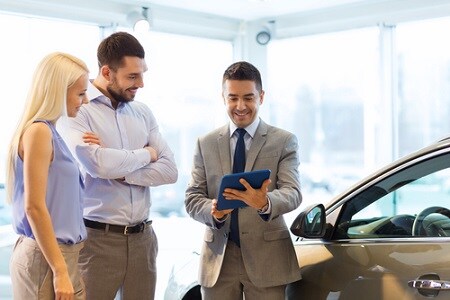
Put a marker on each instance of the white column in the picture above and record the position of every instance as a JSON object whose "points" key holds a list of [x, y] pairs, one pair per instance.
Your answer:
{"points": [[386, 137]]}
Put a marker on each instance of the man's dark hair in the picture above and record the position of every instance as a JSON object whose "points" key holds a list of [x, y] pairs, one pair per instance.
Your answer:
{"points": [[115, 47], [243, 70]]}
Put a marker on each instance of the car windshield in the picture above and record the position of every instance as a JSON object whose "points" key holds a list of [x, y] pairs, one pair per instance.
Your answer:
{"points": [[393, 206]]}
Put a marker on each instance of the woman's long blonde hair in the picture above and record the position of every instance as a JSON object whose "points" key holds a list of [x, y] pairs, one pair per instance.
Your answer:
{"points": [[46, 100]]}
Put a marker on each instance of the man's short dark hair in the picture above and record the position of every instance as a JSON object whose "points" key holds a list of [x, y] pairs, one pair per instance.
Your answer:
{"points": [[243, 70], [115, 47]]}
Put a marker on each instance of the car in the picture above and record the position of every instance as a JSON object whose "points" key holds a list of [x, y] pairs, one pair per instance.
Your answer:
{"points": [[385, 237], [183, 282]]}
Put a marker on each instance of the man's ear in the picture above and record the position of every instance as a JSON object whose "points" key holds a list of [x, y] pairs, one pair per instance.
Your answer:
{"points": [[106, 72], [261, 97]]}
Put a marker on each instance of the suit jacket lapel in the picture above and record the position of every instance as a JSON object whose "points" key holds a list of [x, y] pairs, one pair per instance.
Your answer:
{"points": [[258, 142], [224, 149]]}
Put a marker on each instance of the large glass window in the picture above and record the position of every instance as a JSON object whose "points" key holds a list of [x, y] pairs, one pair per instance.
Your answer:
{"points": [[322, 88], [424, 83], [25, 41]]}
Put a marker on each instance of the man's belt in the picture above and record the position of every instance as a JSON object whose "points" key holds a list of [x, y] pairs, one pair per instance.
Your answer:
{"points": [[128, 229]]}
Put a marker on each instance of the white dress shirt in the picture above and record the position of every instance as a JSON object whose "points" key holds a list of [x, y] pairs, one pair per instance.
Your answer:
{"points": [[124, 132]]}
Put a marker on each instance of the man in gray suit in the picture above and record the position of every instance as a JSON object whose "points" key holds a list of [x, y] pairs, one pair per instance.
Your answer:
{"points": [[260, 259]]}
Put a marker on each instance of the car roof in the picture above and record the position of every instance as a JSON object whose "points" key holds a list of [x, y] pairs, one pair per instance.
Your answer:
{"points": [[423, 152]]}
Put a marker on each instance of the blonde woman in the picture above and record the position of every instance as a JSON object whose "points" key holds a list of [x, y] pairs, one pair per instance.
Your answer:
{"points": [[44, 185]]}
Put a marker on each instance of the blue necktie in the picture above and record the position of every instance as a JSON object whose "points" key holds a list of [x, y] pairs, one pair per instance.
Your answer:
{"points": [[238, 167]]}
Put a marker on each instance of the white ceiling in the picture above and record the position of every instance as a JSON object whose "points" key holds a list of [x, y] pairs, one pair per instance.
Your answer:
{"points": [[246, 9], [231, 19]]}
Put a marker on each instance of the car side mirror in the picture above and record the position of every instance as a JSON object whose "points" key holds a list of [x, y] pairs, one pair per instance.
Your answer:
{"points": [[310, 223]]}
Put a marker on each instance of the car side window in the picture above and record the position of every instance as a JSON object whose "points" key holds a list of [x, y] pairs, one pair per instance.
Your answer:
{"points": [[412, 202]]}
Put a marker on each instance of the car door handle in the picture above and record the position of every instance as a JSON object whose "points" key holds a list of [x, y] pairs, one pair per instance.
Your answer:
{"points": [[430, 284]]}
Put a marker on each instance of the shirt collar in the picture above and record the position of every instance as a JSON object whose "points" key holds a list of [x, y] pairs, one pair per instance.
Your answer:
{"points": [[95, 94], [251, 129]]}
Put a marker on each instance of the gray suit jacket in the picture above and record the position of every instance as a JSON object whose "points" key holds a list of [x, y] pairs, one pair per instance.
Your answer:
{"points": [[266, 245]]}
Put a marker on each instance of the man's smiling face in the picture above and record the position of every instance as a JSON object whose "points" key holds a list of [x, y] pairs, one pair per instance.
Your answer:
{"points": [[242, 100]]}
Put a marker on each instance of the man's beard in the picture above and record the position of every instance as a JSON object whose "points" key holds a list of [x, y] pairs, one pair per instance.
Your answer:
{"points": [[119, 97]]}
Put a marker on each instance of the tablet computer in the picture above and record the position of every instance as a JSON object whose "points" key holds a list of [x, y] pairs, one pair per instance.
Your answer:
{"points": [[254, 178]]}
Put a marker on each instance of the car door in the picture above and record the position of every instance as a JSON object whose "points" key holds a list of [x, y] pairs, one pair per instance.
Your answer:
{"points": [[386, 239]]}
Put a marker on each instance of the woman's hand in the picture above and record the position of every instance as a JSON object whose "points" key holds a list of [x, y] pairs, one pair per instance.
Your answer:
{"points": [[63, 286]]}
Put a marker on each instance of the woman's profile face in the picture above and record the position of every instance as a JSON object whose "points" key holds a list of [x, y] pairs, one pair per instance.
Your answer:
{"points": [[76, 96]]}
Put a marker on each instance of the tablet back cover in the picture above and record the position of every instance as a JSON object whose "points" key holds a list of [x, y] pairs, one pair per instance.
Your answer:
{"points": [[254, 178]]}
